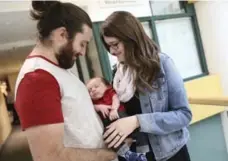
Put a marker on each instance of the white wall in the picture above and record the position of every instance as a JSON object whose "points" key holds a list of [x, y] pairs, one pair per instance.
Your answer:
{"points": [[213, 23], [99, 11], [9, 6]]}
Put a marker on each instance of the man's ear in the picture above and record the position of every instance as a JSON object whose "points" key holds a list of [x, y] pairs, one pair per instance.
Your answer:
{"points": [[60, 34], [64, 33]]}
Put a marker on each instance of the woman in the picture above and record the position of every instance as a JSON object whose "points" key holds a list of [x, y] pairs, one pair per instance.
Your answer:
{"points": [[152, 90]]}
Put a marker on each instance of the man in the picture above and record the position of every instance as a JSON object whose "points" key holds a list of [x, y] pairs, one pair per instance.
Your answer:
{"points": [[47, 93]]}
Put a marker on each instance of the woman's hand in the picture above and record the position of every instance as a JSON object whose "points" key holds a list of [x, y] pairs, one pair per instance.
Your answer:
{"points": [[119, 130]]}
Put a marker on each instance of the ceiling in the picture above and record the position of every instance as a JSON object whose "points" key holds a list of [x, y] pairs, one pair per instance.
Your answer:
{"points": [[16, 26], [17, 34], [17, 37]]}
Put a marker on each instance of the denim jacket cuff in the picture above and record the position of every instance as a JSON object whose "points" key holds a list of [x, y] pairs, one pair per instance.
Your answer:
{"points": [[144, 125]]}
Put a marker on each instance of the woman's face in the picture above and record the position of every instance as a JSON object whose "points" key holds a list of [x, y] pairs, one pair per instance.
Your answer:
{"points": [[116, 47]]}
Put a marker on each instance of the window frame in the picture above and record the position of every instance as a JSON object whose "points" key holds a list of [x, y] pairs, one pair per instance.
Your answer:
{"points": [[189, 12]]}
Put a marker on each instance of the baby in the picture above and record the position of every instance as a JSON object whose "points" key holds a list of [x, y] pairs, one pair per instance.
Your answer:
{"points": [[109, 108]]}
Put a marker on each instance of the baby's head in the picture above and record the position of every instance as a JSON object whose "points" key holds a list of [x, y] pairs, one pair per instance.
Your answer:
{"points": [[97, 87]]}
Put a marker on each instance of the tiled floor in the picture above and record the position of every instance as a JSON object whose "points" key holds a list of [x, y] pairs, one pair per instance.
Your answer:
{"points": [[16, 147]]}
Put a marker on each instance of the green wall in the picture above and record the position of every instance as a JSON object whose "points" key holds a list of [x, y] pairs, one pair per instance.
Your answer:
{"points": [[207, 141]]}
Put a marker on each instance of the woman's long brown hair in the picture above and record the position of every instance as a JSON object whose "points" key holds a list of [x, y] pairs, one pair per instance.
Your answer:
{"points": [[141, 53]]}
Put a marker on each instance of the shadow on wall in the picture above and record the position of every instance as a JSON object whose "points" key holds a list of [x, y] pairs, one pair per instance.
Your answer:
{"points": [[12, 60], [13, 143], [16, 147]]}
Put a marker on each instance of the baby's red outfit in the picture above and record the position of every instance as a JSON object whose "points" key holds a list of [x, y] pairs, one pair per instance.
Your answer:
{"points": [[107, 99]]}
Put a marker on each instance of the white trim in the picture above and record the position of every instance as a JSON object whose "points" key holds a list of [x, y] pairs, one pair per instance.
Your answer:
{"points": [[224, 120]]}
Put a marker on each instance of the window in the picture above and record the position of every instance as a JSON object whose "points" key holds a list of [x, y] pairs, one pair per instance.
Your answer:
{"points": [[89, 65], [166, 7], [83, 73], [183, 48], [113, 60], [147, 28], [173, 26]]}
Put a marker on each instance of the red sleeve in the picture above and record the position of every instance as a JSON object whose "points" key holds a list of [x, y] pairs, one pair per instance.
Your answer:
{"points": [[107, 97], [38, 100], [111, 92]]}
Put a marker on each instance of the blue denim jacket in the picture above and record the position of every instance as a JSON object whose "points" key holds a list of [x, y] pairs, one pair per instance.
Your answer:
{"points": [[165, 112]]}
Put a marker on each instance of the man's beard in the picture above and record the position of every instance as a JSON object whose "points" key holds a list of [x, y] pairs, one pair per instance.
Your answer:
{"points": [[65, 56]]}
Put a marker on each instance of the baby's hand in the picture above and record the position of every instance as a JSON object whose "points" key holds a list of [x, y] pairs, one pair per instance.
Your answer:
{"points": [[113, 115], [129, 141], [104, 109]]}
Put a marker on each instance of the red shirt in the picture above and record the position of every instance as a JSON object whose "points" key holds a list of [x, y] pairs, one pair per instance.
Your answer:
{"points": [[38, 99], [107, 99]]}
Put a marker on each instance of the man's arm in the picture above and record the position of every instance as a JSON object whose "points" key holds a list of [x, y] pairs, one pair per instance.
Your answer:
{"points": [[46, 144]]}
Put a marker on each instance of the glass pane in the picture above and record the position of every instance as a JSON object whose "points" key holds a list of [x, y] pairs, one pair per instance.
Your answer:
{"points": [[113, 60], [176, 38], [94, 58], [84, 68], [74, 69], [166, 7], [146, 26]]}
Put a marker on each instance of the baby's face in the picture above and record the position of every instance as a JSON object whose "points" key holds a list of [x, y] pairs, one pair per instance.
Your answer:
{"points": [[96, 88]]}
